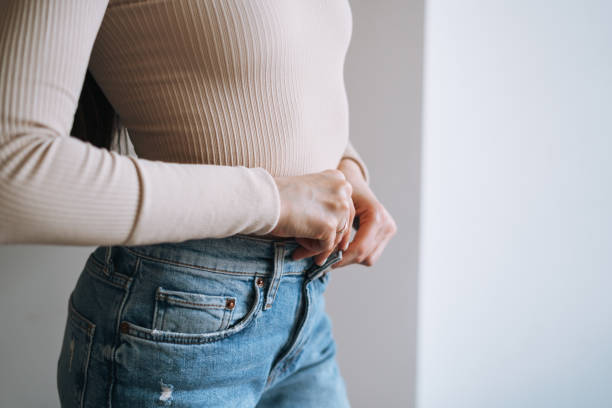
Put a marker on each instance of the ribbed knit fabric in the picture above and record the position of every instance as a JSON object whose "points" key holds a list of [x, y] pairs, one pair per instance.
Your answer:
{"points": [[218, 96]]}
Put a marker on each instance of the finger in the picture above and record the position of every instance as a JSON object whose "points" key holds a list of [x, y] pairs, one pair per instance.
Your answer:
{"points": [[346, 238], [320, 259], [308, 248], [301, 253], [373, 257], [364, 242]]}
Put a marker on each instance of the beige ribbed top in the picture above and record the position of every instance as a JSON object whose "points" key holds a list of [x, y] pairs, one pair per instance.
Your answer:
{"points": [[218, 96]]}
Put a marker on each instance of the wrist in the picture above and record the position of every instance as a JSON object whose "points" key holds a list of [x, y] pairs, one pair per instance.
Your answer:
{"points": [[352, 171]]}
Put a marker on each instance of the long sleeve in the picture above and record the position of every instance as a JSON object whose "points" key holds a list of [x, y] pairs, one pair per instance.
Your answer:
{"points": [[57, 189], [351, 153]]}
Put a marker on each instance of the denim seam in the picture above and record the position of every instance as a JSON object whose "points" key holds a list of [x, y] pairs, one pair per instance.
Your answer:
{"points": [[74, 314], [279, 258], [184, 302], [117, 340], [225, 319], [115, 279], [76, 319], [96, 259], [207, 269], [266, 240], [280, 365], [300, 339], [155, 309], [104, 279]]}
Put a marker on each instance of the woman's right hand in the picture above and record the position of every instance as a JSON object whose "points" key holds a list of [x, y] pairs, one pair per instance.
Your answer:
{"points": [[313, 208]]}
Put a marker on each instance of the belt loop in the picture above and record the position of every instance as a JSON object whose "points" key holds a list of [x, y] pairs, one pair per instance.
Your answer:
{"points": [[279, 258], [107, 260]]}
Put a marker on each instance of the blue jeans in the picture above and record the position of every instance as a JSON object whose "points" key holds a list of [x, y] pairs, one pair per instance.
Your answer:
{"points": [[231, 322]]}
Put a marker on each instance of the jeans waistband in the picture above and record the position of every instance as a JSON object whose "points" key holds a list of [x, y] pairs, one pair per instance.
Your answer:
{"points": [[236, 254]]}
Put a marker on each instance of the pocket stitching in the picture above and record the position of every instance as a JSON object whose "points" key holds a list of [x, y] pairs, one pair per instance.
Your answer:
{"points": [[170, 297], [172, 301], [159, 336]]}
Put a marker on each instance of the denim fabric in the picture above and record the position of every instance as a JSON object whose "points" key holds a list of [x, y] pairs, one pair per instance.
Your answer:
{"points": [[231, 322]]}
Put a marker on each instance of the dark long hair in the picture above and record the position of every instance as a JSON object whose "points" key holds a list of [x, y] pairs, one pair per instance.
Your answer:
{"points": [[94, 117]]}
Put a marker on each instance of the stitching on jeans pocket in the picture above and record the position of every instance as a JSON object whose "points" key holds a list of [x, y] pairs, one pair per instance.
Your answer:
{"points": [[132, 330], [189, 312]]}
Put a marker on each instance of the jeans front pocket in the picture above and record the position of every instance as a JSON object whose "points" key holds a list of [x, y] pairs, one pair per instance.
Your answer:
{"points": [[189, 312], [74, 358], [172, 303]]}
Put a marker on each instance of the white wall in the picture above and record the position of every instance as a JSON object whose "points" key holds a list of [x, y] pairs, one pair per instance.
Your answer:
{"points": [[516, 263]]}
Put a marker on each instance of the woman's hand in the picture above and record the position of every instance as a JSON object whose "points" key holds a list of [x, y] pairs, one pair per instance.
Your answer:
{"points": [[376, 226], [314, 209]]}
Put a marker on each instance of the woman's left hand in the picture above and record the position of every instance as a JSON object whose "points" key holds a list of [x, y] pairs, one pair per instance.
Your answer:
{"points": [[376, 226]]}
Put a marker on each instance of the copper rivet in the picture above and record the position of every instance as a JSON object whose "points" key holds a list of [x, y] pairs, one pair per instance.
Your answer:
{"points": [[230, 303], [124, 327], [260, 282]]}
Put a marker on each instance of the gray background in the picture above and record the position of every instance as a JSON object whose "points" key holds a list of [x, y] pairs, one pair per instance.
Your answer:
{"points": [[373, 309]]}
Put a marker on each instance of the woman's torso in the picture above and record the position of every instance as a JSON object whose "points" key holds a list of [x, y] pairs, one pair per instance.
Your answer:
{"points": [[241, 82]]}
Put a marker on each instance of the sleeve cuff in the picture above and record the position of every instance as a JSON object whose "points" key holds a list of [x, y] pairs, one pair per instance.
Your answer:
{"points": [[351, 153], [191, 201]]}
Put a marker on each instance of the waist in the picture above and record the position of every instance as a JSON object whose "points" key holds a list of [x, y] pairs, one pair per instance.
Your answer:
{"points": [[235, 255]]}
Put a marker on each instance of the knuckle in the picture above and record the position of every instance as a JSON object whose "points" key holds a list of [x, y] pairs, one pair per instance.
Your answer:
{"points": [[323, 234], [360, 254], [338, 205], [344, 205], [328, 232], [325, 238], [337, 174], [339, 188], [347, 189]]}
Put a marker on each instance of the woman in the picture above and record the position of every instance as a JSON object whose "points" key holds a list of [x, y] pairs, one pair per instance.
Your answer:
{"points": [[213, 245]]}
